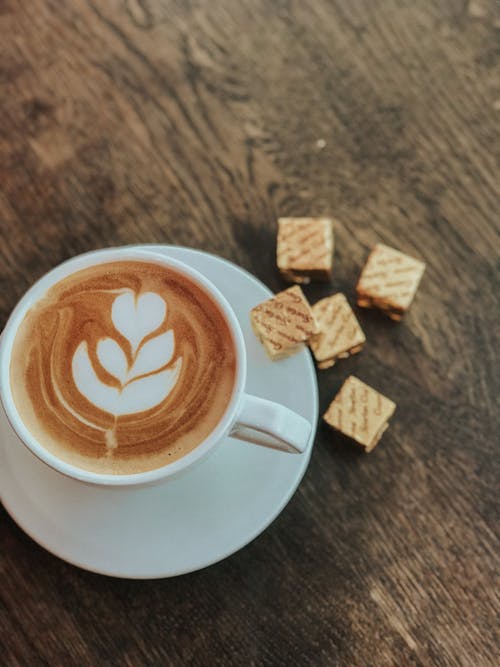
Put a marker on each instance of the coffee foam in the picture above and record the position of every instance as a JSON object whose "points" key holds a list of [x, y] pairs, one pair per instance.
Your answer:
{"points": [[123, 367]]}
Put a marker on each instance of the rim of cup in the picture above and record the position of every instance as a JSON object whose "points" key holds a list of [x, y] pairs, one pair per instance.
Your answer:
{"points": [[67, 268]]}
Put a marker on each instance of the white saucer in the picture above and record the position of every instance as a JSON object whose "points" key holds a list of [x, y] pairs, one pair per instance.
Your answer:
{"points": [[183, 524]]}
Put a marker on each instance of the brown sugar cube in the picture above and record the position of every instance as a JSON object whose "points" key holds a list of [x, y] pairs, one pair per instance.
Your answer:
{"points": [[360, 413], [339, 332], [305, 249], [389, 281], [284, 322]]}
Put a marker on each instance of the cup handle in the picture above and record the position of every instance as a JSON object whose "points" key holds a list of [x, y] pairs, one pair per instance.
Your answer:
{"points": [[270, 424]]}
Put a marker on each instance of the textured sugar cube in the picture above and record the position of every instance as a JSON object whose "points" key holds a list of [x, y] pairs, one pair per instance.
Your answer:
{"points": [[305, 248], [389, 281], [284, 322], [339, 333], [360, 413]]}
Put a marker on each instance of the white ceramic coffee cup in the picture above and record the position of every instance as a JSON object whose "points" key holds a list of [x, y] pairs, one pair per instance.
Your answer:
{"points": [[246, 417]]}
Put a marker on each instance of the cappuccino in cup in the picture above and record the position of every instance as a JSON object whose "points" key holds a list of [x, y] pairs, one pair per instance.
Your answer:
{"points": [[123, 367]]}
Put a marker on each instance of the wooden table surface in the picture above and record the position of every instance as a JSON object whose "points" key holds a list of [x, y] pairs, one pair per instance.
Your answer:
{"points": [[199, 123]]}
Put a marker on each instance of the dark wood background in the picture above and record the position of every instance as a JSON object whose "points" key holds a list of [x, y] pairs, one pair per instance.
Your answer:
{"points": [[198, 123]]}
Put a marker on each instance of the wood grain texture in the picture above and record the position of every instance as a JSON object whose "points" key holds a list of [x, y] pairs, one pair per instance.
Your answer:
{"points": [[199, 123]]}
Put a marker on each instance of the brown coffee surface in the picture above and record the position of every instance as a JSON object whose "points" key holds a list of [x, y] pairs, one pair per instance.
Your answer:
{"points": [[77, 320]]}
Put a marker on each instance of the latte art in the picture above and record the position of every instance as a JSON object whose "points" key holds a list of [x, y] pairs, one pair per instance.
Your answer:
{"points": [[123, 367], [147, 381]]}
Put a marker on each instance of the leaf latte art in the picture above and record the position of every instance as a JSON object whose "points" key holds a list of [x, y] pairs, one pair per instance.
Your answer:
{"points": [[144, 383], [123, 367]]}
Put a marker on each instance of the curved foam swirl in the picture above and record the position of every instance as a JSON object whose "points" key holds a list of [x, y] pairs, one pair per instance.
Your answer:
{"points": [[123, 367]]}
